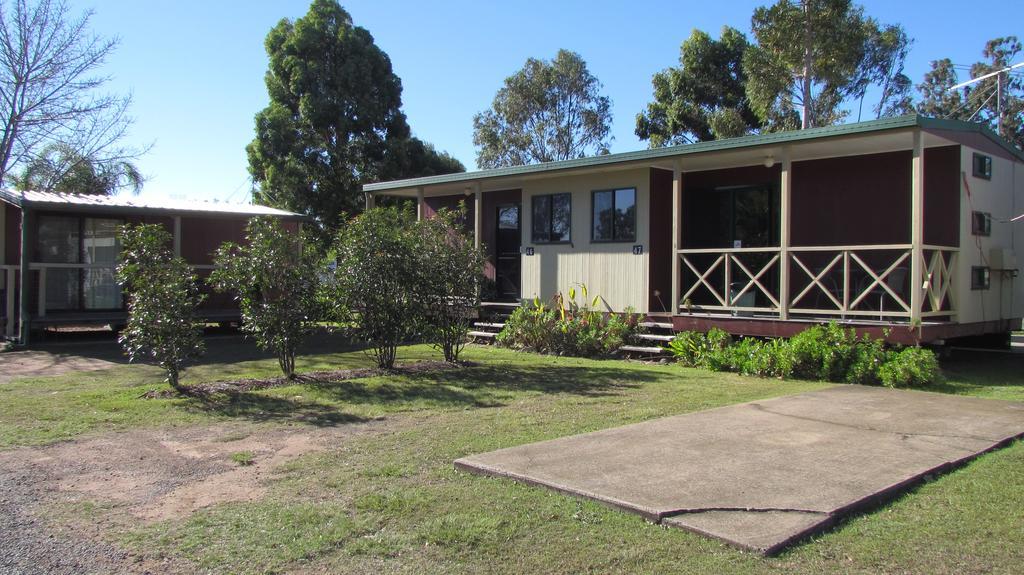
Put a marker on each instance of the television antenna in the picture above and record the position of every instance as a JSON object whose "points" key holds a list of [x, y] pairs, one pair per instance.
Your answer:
{"points": [[999, 91]]}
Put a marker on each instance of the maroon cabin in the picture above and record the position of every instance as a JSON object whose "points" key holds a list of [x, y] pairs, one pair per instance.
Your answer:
{"points": [[72, 251]]}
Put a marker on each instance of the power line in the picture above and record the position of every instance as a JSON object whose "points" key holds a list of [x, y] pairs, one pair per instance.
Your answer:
{"points": [[965, 103]]}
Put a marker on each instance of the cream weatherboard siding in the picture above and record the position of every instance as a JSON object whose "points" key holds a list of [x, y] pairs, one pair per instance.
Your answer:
{"points": [[609, 270], [1000, 196]]}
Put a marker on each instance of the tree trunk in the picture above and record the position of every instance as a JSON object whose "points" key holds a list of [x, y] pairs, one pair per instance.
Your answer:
{"points": [[172, 378], [805, 89]]}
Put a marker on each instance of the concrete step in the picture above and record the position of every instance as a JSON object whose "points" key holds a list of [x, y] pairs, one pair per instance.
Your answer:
{"points": [[489, 324], [500, 304], [642, 349], [654, 337], [485, 334], [656, 325]]}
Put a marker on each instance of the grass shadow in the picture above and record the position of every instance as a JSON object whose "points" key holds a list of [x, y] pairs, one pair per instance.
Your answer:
{"points": [[356, 391], [587, 381], [475, 385], [968, 371], [258, 407]]}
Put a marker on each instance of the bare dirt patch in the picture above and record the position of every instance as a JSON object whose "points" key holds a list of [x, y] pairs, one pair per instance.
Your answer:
{"points": [[170, 473], [38, 363], [149, 475]]}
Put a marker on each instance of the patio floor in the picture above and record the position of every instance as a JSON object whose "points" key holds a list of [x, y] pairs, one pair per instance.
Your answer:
{"points": [[766, 474]]}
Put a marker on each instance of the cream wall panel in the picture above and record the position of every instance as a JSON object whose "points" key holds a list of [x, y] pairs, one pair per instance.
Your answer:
{"points": [[998, 197], [609, 270]]}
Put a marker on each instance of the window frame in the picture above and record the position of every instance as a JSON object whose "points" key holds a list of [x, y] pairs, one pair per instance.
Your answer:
{"points": [[551, 218], [984, 230], [593, 216], [80, 304], [987, 275], [985, 174]]}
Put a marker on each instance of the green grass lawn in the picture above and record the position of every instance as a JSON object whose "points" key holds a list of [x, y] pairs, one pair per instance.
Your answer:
{"points": [[392, 501]]}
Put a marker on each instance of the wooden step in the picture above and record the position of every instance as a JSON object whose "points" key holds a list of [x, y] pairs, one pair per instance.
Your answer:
{"points": [[488, 324], [654, 337], [655, 325], [486, 334], [642, 349]]}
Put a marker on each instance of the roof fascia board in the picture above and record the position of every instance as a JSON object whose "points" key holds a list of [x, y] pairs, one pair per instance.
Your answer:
{"points": [[641, 156], [655, 154], [975, 127], [142, 210]]}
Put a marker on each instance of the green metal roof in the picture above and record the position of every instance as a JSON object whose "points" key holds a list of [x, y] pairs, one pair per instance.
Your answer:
{"points": [[899, 122]]}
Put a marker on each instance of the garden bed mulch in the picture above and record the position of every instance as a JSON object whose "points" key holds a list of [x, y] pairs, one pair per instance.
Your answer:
{"points": [[313, 377]]}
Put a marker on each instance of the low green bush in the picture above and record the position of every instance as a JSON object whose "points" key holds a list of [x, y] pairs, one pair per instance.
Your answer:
{"points": [[910, 367], [822, 352], [565, 327], [695, 349], [826, 352], [530, 327]]}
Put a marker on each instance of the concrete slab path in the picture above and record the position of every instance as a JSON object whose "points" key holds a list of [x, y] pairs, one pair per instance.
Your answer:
{"points": [[765, 474]]}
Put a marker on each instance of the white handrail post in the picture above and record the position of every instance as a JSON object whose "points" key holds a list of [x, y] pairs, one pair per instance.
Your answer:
{"points": [[727, 291], [786, 185], [677, 229], [369, 201], [846, 282], [916, 227]]}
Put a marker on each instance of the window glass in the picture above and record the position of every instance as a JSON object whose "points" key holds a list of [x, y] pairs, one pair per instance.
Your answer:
{"points": [[980, 277], [561, 217], [542, 218], [982, 166], [981, 224], [625, 214], [614, 216], [603, 221], [101, 245], [58, 242], [552, 218]]}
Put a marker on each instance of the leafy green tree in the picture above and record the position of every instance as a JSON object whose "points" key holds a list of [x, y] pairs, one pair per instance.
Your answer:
{"points": [[51, 93], [60, 168], [452, 273], [376, 284], [938, 100], [547, 111], [883, 65], [979, 101], [334, 121], [162, 299], [705, 97], [812, 56], [273, 276]]}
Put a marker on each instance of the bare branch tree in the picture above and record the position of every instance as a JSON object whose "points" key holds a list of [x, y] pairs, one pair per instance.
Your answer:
{"points": [[50, 93]]}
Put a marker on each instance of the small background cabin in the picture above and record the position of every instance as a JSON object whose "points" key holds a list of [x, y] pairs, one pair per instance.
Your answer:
{"points": [[70, 252], [899, 227]]}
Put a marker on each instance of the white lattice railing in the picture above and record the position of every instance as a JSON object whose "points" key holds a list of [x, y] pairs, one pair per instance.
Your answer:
{"points": [[824, 281]]}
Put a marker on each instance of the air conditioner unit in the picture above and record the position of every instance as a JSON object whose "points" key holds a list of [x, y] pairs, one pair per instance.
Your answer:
{"points": [[1002, 260]]}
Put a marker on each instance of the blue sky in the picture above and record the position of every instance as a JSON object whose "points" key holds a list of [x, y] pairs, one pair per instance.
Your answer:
{"points": [[195, 69]]}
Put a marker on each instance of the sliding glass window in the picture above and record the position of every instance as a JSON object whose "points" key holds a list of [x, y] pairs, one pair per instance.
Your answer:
{"points": [[77, 240], [551, 218], [614, 215]]}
